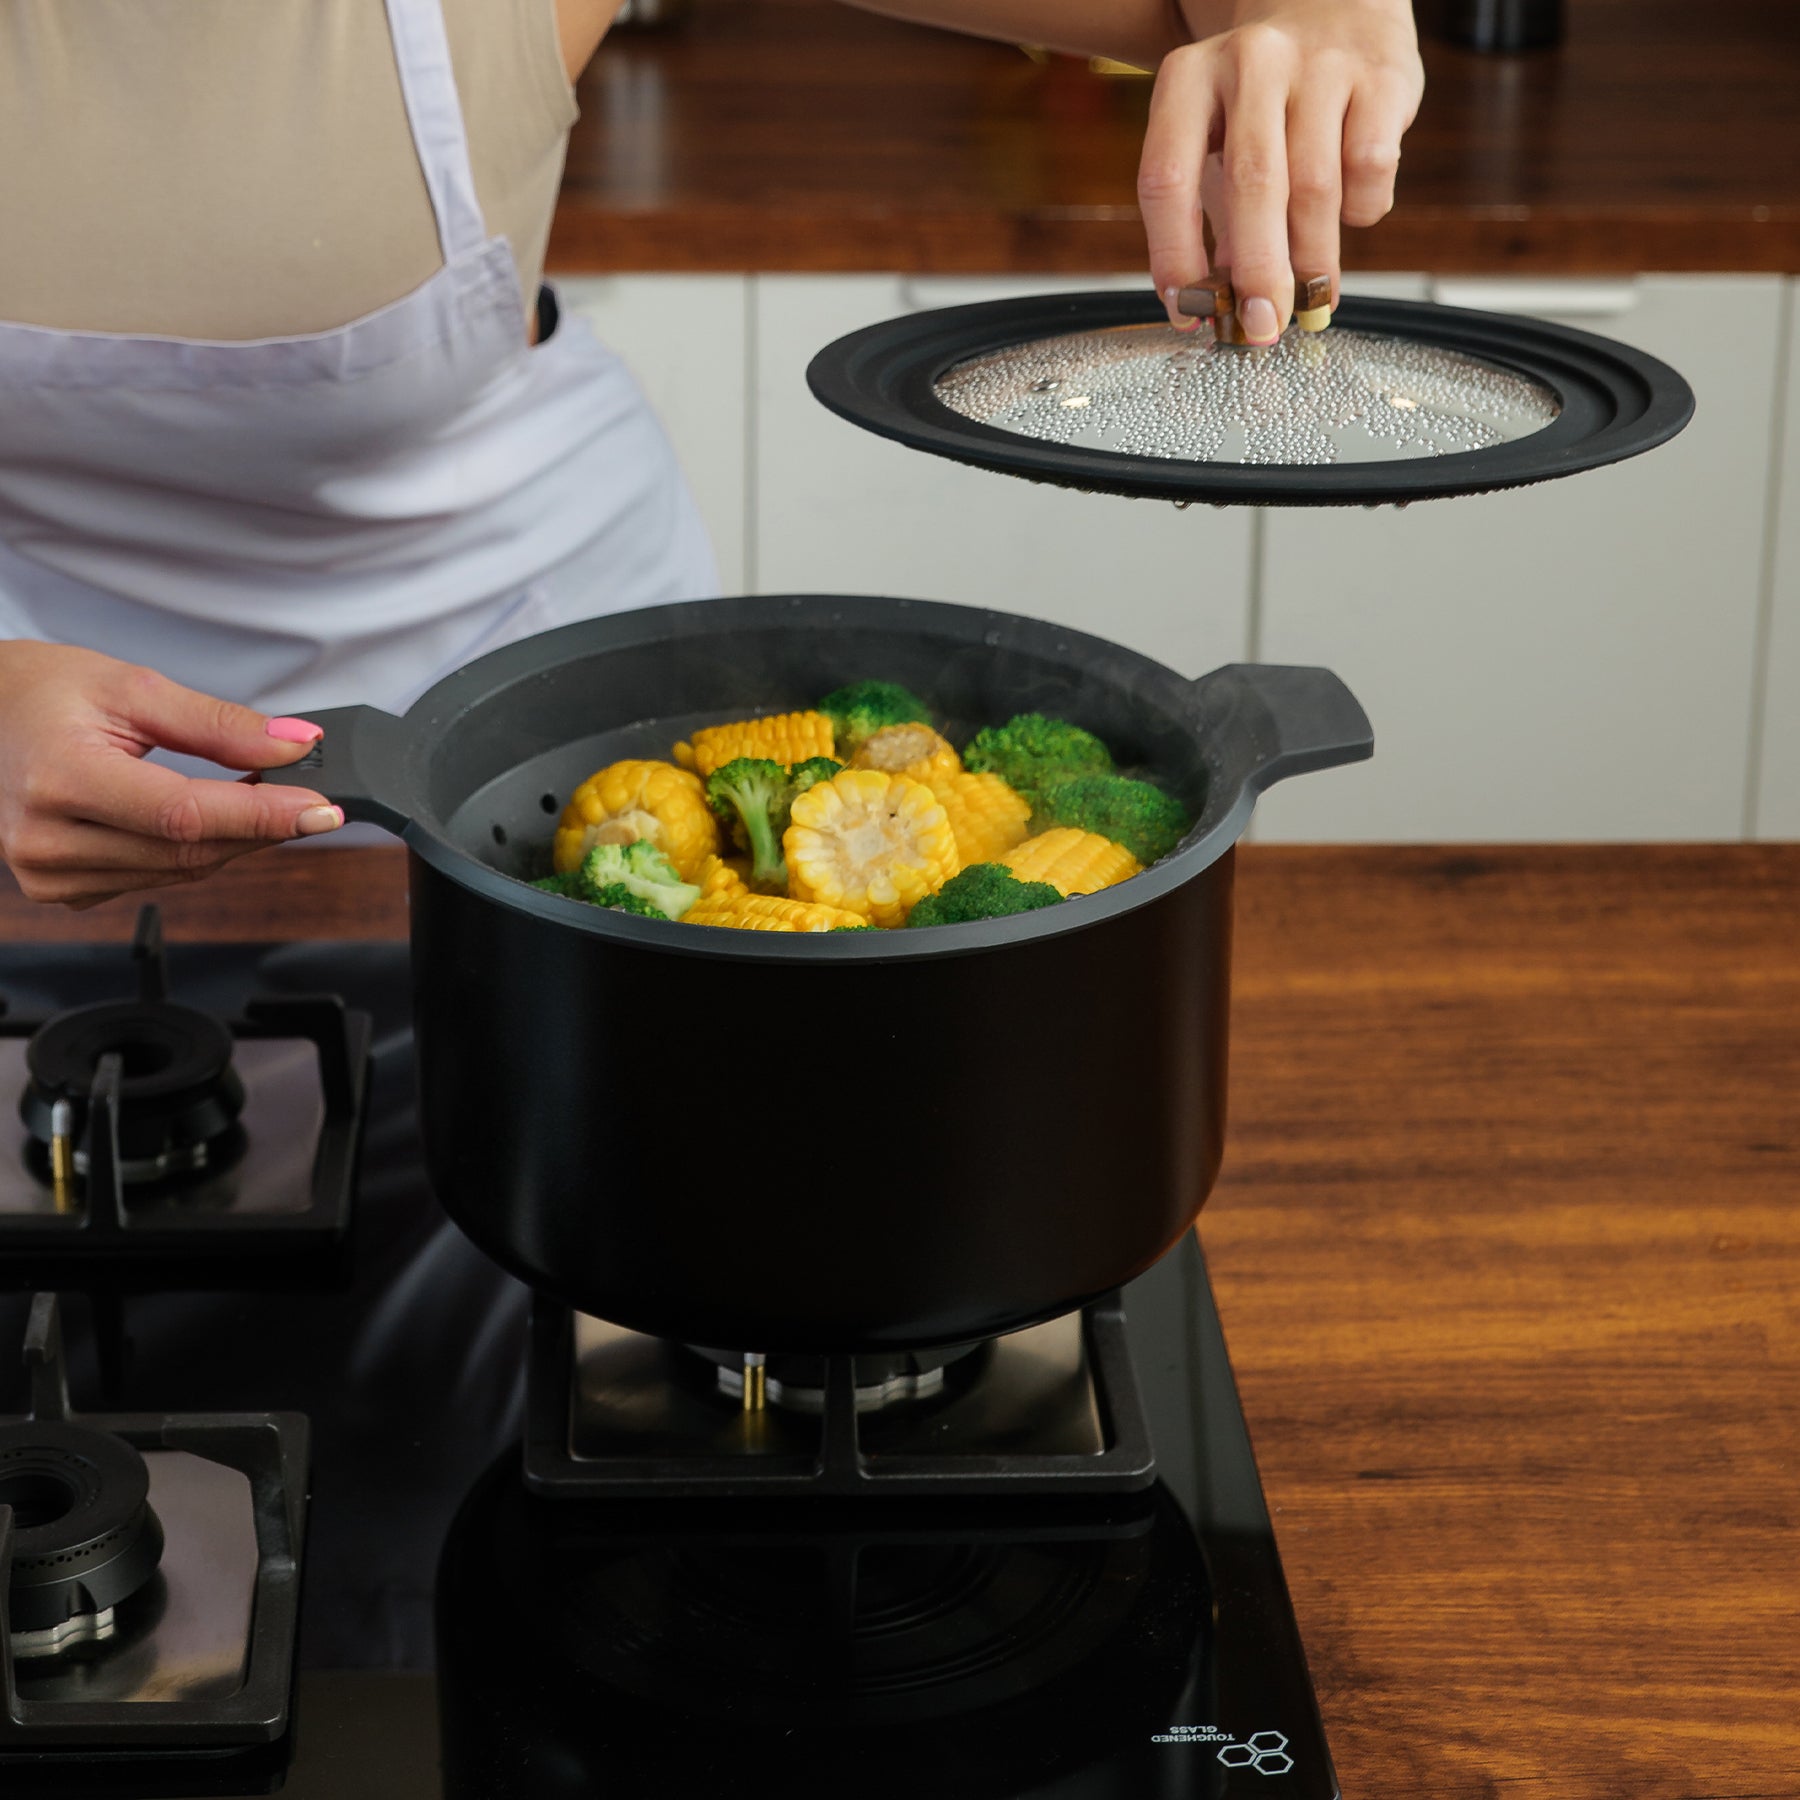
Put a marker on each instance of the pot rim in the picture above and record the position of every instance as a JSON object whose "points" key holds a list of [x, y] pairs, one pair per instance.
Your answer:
{"points": [[1340, 734]]}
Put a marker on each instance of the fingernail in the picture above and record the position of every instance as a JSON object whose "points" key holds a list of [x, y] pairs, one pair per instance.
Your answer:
{"points": [[1258, 320], [295, 731], [317, 819]]}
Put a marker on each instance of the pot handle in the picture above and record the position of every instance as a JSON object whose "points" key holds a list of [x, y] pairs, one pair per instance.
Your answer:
{"points": [[1297, 719], [359, 764]]}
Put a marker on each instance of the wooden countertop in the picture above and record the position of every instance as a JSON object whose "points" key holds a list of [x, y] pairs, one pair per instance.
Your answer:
{"points": [[802, 134], [1508, 1252]]}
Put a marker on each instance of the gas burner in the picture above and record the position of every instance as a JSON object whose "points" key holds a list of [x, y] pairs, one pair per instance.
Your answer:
{"points": [[84, 1539], [1051, 1409], [149, 1586], [156, 1140], [798, 1383], [176, 1097]]}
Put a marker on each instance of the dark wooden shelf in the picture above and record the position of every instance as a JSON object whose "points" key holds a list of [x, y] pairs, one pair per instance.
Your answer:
{"points": [[804, 135], [1508, 1252]]}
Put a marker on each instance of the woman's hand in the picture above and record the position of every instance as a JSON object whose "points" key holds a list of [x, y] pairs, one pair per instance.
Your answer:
{"points": [[1281, 117], [84, 817], [1279, 126]]}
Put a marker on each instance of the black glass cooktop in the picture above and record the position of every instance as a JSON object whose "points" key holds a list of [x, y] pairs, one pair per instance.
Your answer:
{"points": [[1129, 1644]]}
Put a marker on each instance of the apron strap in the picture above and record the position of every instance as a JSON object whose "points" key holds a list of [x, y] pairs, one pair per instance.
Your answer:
{"points": [[428, 86]]}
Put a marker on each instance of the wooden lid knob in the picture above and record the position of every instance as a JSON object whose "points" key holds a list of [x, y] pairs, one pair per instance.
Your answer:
{"points": [[1211, 297]]}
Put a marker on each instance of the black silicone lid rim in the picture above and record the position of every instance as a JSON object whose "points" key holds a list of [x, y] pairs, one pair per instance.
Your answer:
{"points": [[1617, 402]]}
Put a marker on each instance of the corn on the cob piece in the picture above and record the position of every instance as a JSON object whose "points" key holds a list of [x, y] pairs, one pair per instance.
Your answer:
{"points": [[734, 919], [781, 737], [682, 755], [719, 881], [629, 800], [1073, 862], [914, 750], [768, 912], [873, 843], [987, 815]]}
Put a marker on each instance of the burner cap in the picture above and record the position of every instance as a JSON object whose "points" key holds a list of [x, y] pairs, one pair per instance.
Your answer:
{"points": [[797, 1382], [179, 1094], [84, 1535]]}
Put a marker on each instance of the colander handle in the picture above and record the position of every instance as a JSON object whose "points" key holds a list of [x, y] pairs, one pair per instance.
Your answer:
{"points": [[362, 764], [1295, 719]]}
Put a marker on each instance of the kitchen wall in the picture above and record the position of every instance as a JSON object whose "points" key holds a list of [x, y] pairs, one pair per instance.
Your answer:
{"points": [[1613, 656]]}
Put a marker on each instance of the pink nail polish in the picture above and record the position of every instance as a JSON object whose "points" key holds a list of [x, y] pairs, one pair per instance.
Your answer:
{"points": [[295, 731]]}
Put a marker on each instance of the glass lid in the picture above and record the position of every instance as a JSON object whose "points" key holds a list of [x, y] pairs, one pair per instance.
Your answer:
{"points": [[1335, 396], [1393, 401]]}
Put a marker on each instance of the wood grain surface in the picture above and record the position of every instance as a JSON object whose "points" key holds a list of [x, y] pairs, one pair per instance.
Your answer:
{"points": [[294, 892], [805, 135], [1508, 1252]]}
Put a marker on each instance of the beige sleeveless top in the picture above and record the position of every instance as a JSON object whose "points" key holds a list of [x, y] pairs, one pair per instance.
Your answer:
{"points": [[242, 168]]}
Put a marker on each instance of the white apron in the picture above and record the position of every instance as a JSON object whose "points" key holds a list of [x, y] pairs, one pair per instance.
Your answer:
{"points": [[303, 522]]}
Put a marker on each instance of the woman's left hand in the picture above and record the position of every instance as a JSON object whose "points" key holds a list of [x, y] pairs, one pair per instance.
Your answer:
{"points": [[1279, 126]]}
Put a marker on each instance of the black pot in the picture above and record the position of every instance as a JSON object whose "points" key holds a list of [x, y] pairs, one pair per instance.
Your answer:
{"points": [[815, 1143]]}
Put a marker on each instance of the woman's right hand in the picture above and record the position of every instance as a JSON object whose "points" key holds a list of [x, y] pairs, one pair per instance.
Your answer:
{"points": [[84, 817]]}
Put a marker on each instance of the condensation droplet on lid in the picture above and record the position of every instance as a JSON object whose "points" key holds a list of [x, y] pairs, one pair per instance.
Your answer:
{"points": [[1077, 400]]}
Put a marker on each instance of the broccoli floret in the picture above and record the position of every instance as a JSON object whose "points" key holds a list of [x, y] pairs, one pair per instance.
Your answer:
{"points": [[568, 885], [641, 870], [982, 891], [752, 795], [1148, 822], [615, 895], [861, 708], [619, 898], [755, 796], [1031, 752], [837, 928], [809, 774]]}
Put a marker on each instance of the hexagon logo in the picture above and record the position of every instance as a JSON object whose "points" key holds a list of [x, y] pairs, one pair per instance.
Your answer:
{"points": [[1266, 1752]]}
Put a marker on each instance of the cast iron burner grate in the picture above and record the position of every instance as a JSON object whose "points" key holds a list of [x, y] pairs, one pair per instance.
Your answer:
{"points": [[192, 1685], [1053, 1409], [161, 1146]]}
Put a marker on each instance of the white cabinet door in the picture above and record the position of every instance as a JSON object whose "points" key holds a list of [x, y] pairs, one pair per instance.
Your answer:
{"points": [[840, 511], [1777, 809], [1563, 662], [684, 338]]}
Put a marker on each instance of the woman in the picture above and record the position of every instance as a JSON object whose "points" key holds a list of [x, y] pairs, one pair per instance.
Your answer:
{"points": [[285, 420]]}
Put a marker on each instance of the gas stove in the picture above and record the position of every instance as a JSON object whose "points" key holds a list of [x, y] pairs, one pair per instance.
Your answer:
{"points": [[542, 1555]]}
